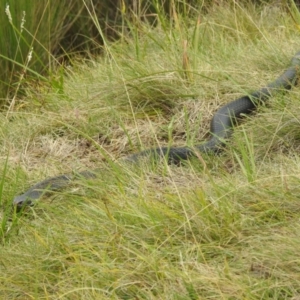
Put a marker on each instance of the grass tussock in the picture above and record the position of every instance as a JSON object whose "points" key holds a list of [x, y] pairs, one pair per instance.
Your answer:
{"points": [[222, 227]]}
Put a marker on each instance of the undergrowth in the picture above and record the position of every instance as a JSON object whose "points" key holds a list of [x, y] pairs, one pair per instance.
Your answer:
{"points": [[222, 227]]}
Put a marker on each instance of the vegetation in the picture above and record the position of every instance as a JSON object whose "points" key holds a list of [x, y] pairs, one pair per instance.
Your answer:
{"points": [[50, 32], [222, 227], [53, 31]]}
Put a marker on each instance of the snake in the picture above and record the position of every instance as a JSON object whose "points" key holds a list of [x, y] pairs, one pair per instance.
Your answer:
{"points": [[221, 129]]}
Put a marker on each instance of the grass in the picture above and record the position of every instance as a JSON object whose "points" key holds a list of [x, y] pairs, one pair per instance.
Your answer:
{"points": [[50, 32], [30, 33], [222, 227]]}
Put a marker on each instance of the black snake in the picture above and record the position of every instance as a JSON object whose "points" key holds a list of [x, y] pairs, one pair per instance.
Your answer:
{"points": [[221, 128]]}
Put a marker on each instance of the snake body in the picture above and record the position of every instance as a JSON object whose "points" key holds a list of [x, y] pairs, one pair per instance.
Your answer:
{"points": [[221, 128]]}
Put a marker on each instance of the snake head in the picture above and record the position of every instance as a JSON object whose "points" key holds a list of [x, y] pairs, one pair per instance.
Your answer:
{"points": [[22, 201]]}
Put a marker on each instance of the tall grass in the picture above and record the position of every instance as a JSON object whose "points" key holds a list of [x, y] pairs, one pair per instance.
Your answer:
{"points": [[30, 29], [223, 227], [53, 31], [50, 32]]}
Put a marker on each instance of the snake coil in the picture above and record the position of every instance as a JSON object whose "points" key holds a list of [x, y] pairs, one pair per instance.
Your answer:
{"points": [[221, 128]]}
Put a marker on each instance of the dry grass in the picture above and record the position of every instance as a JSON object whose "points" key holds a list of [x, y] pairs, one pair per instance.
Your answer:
{"points": [[216, 228]]}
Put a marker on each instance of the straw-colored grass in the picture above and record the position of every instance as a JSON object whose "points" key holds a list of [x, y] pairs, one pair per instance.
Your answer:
{"points": [[224, 227]]}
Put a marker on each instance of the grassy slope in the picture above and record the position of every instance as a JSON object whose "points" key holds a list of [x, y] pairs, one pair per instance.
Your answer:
{"points": [[219, 228]]}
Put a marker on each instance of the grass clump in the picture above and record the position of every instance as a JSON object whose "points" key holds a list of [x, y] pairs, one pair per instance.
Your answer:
{"points": [[220, 227]]}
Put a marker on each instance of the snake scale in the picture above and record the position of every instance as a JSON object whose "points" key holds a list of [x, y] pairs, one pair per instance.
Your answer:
{"points": [[221, 128]]}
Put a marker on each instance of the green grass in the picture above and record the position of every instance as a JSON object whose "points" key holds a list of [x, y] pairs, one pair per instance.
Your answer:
{"points": [[224, 227], [50, 32], [30, 34]]}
